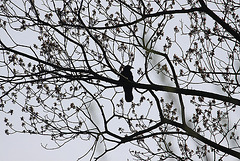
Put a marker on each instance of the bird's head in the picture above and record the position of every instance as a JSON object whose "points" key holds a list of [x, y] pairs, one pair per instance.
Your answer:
{"points": [[127, 68]]}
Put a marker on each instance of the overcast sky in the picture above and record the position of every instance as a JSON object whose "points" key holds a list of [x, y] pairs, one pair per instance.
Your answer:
{"points": [[25, 147]]}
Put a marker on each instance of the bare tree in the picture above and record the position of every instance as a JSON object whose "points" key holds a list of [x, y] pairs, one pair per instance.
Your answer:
{"points": [[61, 61]]}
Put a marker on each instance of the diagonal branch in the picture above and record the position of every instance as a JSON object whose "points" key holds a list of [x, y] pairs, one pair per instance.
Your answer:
{"points": [[204, 140], [226, 26]]}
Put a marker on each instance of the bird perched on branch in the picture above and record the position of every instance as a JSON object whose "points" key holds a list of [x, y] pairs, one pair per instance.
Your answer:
{"points": [[127, 87]]}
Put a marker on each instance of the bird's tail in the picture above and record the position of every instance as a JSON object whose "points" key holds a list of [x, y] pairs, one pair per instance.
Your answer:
{"points": [[128, 94]]}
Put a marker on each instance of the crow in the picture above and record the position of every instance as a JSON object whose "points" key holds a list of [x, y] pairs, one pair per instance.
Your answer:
{"points": [[127, 87]]}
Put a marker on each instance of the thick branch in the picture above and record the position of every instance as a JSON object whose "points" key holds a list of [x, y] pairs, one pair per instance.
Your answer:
{"points": [[143, 17], [174, 90], [226, 26], [188, 92], [205, 140]]}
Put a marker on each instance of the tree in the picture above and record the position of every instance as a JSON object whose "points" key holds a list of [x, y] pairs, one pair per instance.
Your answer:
{"points": [[61, 63]]}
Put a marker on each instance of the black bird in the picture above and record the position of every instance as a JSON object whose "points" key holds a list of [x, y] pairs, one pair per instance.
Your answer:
{"points": [[127, 87]]}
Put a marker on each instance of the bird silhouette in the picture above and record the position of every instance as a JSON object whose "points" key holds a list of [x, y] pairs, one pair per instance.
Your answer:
{"points": [[127, 87]]}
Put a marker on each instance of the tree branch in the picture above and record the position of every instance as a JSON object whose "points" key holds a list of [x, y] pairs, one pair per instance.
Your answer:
{"points": [[226, 26]]}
